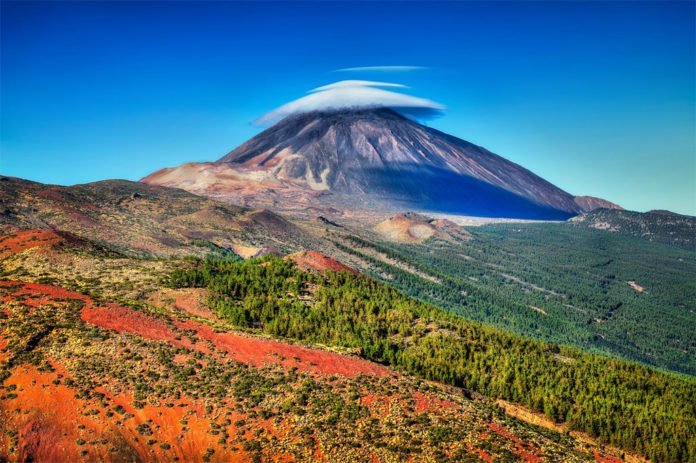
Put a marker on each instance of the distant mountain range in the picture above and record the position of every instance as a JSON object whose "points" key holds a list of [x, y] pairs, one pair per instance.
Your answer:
{"points": [[373, 158]]}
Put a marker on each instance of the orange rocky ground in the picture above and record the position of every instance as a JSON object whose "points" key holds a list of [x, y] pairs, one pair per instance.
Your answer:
{"points": [[28, 239], [189, 300]]}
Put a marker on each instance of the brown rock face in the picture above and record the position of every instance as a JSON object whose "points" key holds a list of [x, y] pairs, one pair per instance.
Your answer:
{"points": [[590, 203]]}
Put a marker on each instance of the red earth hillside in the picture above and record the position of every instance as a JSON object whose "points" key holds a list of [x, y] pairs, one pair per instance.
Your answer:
{"points": [[27, 239], [312, 260]]}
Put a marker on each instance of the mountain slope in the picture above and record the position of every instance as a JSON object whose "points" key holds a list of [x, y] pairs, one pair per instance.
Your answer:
{"points": [[661, 226], [378, 156], [385, 326], [141, 219], [553, 281], [590, 203]]}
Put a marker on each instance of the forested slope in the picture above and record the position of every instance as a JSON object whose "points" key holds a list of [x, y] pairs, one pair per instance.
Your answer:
{"points": [[658, 226], [597, 290], [621, 403]]}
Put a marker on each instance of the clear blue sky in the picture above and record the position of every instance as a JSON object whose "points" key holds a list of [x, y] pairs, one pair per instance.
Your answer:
{"points": [[599, 98]]}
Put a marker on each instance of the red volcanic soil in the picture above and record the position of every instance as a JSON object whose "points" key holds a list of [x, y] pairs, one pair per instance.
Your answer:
{"points": [[312, 260], [35, 295], [189, 300], [27, 239], [122, 319], [257, 352], [427, 403], [526, 452], [45, 409], [53, 425], [483, 455]]}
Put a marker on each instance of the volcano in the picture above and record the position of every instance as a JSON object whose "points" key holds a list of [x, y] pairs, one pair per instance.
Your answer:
{"points": [[371, 158]]}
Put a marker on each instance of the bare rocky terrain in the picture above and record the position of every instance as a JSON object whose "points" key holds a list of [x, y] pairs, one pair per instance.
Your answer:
{"points": [[372, 160]]}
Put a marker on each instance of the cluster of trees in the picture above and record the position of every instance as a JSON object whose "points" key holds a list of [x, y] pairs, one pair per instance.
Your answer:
{"points": [[578, 277], [620, 403]]}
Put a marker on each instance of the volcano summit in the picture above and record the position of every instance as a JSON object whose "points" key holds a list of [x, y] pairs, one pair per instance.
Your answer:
{"points": [[371, 157]]}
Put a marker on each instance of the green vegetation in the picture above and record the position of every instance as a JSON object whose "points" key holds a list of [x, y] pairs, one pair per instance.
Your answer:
{"points": [[621, 403], [216, 250], [660, 226], [557, 283]]}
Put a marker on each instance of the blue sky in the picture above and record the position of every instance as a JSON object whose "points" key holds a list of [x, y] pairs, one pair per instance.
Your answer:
{"points": [[598, 98]]}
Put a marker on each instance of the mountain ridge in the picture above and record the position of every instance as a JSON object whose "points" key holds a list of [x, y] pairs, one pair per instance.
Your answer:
{"points": [[140, 219], [657, 225], [377, 157]]}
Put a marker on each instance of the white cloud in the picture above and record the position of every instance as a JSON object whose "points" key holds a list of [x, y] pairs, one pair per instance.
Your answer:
{"points": [[382, 69], [356, 83], [354, 95]]}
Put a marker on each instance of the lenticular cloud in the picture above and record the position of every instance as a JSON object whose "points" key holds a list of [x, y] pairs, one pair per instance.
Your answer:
{"points": [[382, 69], [356, 83], [355, 94]]}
